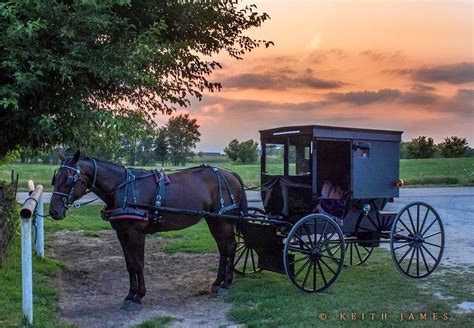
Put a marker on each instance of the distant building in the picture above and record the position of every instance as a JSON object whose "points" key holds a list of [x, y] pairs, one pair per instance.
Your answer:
{"points": [[209, 154]]}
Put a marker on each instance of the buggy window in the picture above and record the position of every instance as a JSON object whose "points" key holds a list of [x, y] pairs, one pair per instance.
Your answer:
{"points": [[298, 160], [274, 159]]}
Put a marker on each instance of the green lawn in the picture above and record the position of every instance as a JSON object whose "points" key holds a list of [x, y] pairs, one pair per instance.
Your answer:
{"points": [[45, 297], [415, 172], [267, 299]]}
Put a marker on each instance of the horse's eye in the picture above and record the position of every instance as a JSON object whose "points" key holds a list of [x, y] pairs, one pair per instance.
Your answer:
{"points": [[70, 181]]}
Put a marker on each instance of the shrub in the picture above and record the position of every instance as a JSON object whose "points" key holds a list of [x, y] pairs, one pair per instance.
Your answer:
{"points": [[454, 147]]}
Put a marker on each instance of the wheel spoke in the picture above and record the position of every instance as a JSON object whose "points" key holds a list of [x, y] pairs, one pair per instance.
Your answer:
{"points": [[327, 266], [302, 267], [322, 273], [424, 260], [350, 253], [302, 241], [322, 233], [424, 219], [408, 229], [432, 256], [404, 245], [431, 244], [238, 258], [433, 234], [417, 217], [411, 220], [403, 257], [426, 230], [253, 261], [298, 260], [314, 275], [335, 259], [299, 250], [328, 239], [411, 260], [308, 232], [307, 274], [246, 258], [417, 262], [358, 253]]}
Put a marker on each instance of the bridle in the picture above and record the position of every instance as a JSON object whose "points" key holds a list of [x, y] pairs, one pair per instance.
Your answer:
{"points": [[74, 176]]}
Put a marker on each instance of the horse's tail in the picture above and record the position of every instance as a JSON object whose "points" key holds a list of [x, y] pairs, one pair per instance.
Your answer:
{"points": [[243, 198]]}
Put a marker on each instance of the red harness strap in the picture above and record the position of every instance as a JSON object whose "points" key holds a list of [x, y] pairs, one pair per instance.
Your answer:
{"points": [[125, 214]]}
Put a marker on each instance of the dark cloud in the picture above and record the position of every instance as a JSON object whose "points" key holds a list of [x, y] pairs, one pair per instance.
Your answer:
{"points": [[361, 98], [422, 87], [454, 74], [320, 56], [277, 82], [419, 98], [462, 102]]}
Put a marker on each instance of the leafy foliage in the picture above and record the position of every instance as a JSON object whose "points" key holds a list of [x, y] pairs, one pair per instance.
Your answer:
{"points": [[182, 135], [421, 147], [454, 147], [66, 62], [244, 152]]}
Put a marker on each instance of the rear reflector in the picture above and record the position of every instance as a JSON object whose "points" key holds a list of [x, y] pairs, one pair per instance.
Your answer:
{"points": [[399, 183]]}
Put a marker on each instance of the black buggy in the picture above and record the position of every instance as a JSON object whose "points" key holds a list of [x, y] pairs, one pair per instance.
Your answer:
{"points": [[324, 190]]}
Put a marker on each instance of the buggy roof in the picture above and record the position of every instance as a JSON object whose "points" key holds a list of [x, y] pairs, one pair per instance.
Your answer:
{"points": [[332, 132]]}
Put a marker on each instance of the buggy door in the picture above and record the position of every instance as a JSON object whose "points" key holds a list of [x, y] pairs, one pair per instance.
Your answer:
{"points": [[375, 168]]}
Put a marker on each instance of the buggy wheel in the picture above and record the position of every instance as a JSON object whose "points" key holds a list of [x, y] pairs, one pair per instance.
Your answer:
{"points": [[356, 254], [246, 258], [313, 255], [417, 240]]}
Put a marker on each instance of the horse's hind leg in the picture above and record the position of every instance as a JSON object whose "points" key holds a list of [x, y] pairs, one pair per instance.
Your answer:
{"points": [[223, 233]]}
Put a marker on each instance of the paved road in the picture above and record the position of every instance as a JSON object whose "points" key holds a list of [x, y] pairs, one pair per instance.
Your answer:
{"points": [[455, 206]]}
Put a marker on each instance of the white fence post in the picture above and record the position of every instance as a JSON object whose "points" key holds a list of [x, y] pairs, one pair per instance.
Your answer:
{"points": [[39, 228], [26, 213], [26, 269]]}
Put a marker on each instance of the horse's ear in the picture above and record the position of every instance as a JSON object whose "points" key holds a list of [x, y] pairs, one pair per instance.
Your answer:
{"points": [[61, 155], [77, 155]]}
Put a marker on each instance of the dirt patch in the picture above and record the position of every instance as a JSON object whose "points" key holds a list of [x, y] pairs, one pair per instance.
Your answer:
{"points": [[96, 281]]}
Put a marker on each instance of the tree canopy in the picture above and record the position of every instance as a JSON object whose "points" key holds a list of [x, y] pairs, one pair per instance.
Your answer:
{"points": [[454, 147], [64, 62], [244, 152], [421, 147]]}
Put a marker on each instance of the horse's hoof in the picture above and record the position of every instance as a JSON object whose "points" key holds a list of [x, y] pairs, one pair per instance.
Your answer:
{"points": [[223, 292], [214, 290], [134, 307]]}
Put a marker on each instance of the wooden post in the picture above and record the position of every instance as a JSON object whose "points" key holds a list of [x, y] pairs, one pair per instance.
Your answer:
{"points": [[39, 228], [26, 213]]}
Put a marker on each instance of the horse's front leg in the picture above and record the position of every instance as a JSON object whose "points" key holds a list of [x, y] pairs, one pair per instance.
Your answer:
{"points": [[133, 246]]}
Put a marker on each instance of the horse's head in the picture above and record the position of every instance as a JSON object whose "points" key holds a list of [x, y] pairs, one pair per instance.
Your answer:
{"points": [[70, 183]]}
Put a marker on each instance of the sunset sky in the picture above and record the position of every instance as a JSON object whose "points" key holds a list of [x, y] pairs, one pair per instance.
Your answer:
{"points": [[402, 65]]}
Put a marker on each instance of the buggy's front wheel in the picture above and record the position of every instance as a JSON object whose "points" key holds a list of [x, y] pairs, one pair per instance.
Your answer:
{"points": [[313, 255]]}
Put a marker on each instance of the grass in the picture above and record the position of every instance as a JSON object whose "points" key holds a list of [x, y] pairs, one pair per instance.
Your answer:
{"points": [[45, 294], [268, 300], [415, 172], [86, 218]]}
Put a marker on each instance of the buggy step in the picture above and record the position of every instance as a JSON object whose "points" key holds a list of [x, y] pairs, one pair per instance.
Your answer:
{"points": [[388, 213]]}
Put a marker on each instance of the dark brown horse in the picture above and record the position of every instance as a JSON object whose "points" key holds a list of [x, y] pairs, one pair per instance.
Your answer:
{"points": [[203, 188]]}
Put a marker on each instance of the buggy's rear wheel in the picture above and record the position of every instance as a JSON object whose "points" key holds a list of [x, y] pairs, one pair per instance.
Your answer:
{"points": [[313, 255], [356, 254], [246, 258], [417, 240]]}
